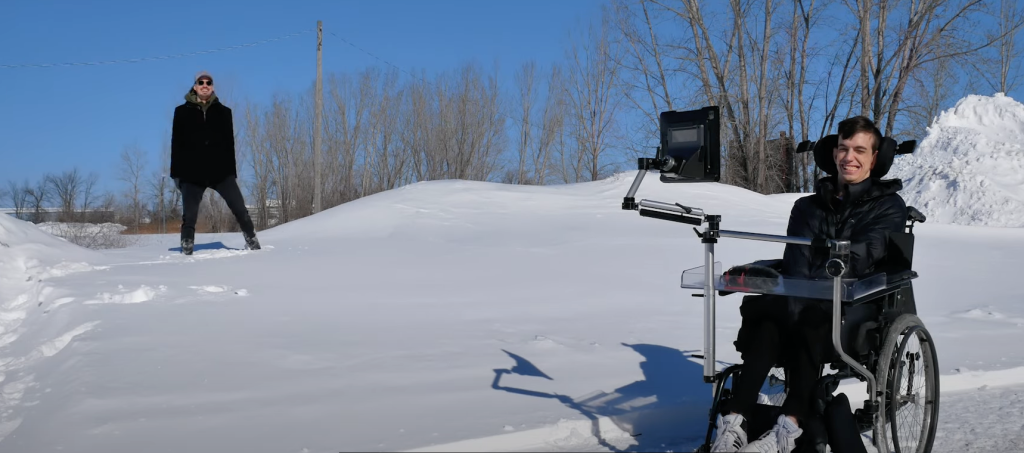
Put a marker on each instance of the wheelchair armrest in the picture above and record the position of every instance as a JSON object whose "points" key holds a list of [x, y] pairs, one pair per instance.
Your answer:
{"points": [[915, 215], [900, 276], [894, 278]]}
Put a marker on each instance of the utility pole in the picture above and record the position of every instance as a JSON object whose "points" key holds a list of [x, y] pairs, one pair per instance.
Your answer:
{"points": [[318, 115]]}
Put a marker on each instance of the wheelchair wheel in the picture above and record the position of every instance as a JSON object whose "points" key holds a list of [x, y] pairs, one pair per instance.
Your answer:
{"points": [[908, 374]]}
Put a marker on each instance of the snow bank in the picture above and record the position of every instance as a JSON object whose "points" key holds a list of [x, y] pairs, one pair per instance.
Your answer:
{"points": [[969, 168], [29, 257]]}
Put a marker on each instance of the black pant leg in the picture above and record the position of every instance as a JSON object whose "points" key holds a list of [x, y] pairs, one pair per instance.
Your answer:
{"points": [[843, 433], [191, 197], [804, 357], [232, 195], [759, 357]]}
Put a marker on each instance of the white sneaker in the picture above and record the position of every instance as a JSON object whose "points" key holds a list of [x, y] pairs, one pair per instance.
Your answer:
{"points": [[731, 436], [781, 438]]}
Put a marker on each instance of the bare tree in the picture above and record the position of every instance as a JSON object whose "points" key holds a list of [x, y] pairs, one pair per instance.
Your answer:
{"points": [[796, 60], [736, 73], [423, 134], [930, 88], [1011, 19], [346, 112], [1001, 71], [66, 188], [88, 198], [164, 197], [5, 195], [553, 129], [525, 85], [108, 206], [281, 141], [38, 195], [593, 100], [131, 172], [260, 160], [469, 135], [386, 162], [931, 30], [646, 71], [18, 195]]}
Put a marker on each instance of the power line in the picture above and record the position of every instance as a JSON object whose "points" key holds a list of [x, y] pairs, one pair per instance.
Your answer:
{"points": [[521, 123], [164, 57]]}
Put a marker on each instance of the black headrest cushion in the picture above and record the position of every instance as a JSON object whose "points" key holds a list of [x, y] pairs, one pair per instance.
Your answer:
{"points": [[823, 155]]}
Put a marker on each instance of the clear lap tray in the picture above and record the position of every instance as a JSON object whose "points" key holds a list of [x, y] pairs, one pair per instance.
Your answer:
{"points": [[850, 290]]}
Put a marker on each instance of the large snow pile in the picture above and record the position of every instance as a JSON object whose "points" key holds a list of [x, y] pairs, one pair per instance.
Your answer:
{"points": [[969, 168]]}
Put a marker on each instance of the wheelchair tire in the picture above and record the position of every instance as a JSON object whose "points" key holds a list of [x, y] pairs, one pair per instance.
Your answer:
{"points": [[908, 361]]}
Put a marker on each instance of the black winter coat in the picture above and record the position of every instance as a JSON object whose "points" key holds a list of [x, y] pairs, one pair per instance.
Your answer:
{"points": [[864, 216], [202, 142]]}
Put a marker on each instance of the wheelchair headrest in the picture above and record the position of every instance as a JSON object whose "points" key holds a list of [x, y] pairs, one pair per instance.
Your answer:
{"points": [[886, 153]]}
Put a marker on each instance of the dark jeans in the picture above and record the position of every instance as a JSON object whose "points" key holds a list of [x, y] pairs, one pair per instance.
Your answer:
{"points": [[773, 337], [192, 196]]}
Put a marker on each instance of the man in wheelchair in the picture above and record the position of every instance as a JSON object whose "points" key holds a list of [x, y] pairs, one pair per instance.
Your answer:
{"points": [[852, 203]]}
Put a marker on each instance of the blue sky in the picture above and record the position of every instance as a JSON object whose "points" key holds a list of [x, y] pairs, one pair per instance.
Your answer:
{"points": [[55, 118]]}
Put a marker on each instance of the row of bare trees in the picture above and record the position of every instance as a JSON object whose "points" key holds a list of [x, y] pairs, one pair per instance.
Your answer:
{"points": [[797, 67], [69, 196], [384, 129], [144, 196]]}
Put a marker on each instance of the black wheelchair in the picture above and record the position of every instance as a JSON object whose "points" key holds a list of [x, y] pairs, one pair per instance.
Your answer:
{"points": [[877, 337]]}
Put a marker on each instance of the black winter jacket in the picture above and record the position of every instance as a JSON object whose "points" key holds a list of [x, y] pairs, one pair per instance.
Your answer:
{"points": [[202, 142], [864, 216]]}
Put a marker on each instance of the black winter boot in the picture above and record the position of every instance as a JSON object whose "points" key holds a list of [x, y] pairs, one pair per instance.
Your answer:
{"points": [[186, 246], [251, 243]]}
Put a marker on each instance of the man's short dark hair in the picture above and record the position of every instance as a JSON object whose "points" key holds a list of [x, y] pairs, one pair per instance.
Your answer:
{"points": [[852, 126]]}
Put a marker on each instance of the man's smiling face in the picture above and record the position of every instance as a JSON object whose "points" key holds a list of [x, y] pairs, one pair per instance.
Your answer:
{"points": [[855, 157]]}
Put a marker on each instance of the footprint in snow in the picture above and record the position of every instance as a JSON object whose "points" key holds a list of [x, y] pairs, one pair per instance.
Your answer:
{"points": [[217, 289], [544, 342], [210, 289], [59, 302], [143, 294]]}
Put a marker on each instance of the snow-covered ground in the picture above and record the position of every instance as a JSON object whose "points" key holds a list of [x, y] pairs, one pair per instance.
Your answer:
{"points": [[443, 316]]}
